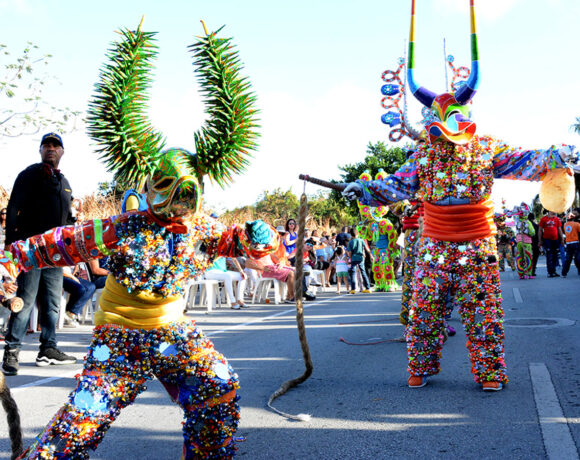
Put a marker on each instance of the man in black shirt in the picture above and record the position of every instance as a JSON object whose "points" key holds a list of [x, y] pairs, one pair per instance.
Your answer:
{"points": [[343, 237], [40, 200]]}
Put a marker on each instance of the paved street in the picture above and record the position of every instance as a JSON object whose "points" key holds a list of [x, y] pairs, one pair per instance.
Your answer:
{"points": [[360, 404]]}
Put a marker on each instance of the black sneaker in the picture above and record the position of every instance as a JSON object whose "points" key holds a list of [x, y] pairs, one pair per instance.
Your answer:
{"points": [[10, 362], [309, 296], [53, 356]]}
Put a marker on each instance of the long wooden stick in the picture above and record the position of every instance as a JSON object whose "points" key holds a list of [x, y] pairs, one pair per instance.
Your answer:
{"points": [[322, 183]]}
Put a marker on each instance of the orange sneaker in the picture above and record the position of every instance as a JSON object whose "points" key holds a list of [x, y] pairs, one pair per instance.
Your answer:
{"points": [[417, 381], [492, 386]]}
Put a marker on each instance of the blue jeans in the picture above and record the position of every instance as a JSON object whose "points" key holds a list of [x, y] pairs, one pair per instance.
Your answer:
{"points": [[572, 253], [46, 286], [352, 272], [99, 281], [551, 247], [79, 294]]}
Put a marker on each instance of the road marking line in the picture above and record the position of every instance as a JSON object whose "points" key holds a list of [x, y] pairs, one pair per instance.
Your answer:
{"points": [[558, 440], [208, 334], [517, 295], [40, 382], [281, 313]]}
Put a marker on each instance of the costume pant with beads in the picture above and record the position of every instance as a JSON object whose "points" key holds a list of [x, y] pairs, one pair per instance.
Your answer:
{"points": [[118, 364], [408, 273], [467, 272], [524, 259], [504, 252]]}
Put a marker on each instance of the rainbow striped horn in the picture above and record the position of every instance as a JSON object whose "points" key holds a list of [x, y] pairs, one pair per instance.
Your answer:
{"points": [[423, 95], [468, 90]]}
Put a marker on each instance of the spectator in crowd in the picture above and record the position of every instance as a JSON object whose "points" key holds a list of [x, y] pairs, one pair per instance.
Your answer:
{"points": [[278, 271], [290, 239], [323, 257], [2, 228], [562, 250], [332, 240], [315, 236], [98, 272], [282, 232], [356, 253], [40, 200], [571, 228], [219, 271], [343, 237], [550, 239], [341, 266], [80, 292], [535, 242], [310, 259], [252, 276]]}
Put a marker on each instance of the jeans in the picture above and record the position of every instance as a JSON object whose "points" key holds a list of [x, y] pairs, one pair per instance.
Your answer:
{"points": [[79, 294], [99, 281], [572, 253], [46, 287], [352, 272], [552, 247]]}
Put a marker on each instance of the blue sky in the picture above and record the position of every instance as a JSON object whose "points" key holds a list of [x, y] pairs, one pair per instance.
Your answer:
{"points": [[315, 67]]}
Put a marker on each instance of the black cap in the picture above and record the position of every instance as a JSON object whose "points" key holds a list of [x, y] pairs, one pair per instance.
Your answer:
{"points": [[52, 136]]}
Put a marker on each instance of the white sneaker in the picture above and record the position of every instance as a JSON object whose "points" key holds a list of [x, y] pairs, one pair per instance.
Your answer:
{"points": [[70, 320]]}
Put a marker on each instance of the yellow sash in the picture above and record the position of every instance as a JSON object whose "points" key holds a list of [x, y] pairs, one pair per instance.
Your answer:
{"points": [[136, 310]]}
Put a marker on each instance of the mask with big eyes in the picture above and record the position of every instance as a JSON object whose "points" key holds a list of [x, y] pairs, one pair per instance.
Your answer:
{"points": [[451, 114], [172, 191], [451, 121]]}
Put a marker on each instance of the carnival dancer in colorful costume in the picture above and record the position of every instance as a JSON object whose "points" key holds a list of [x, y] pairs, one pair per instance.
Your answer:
{"points": [[525, 232], [503, 239], [379, 229], [140, 331], [453, 175]]}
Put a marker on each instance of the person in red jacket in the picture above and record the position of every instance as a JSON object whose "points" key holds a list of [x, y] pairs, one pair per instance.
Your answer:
{"points": [[550, 238]]}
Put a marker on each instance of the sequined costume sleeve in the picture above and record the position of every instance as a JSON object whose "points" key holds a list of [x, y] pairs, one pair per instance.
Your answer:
{"points": [[66, 246], [402, 185], [530, 165]]}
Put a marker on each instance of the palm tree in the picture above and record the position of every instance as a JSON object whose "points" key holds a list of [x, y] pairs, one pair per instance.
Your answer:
{"points": [[576, 126]]}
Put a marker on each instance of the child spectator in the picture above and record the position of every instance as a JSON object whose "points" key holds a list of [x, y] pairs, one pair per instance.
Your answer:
{"points": [[341, 267]]}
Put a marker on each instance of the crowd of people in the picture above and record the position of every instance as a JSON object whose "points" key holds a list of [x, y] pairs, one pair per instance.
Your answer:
{"points": [[521, 244]]}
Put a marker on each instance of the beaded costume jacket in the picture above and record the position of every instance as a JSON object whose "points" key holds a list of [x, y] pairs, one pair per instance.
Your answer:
{"points": [[442, 170], [143, 254]]}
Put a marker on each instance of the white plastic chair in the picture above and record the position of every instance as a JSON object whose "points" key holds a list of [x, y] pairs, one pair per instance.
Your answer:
{"points": [[91, 307], [263, 287], [320, 277], [209, 293]]}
